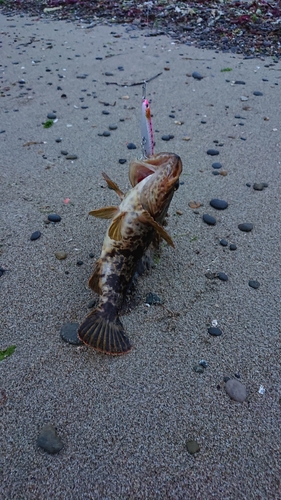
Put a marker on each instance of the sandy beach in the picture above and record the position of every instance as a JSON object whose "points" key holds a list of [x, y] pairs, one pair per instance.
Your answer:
{"points": [[124, 422]]}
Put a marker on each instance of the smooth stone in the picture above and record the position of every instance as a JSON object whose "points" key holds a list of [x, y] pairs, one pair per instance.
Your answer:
{"points": [[69, 333], [254, 284], [49, 440], [35, 235], [222, 276], [209, 219], [236, 390], [83, 76], [107, 73], [213, 152], [64, 152], [71, 157], [246, 227], [192, 447], [106, 133], [232, 247], [54, 218], [213, 330], [203, 363], [198, 369], [91, 255], [216, 164], [197, 75], [60, 255], [131, 145], [122, 161], [59, 139], [224, 243], [257, 92], [166, 137], [258, 186], [104, 112], [79, 262], [152, 298], [51, 116], [239, 82], [112, 127], [215, 172], [218, 204]]}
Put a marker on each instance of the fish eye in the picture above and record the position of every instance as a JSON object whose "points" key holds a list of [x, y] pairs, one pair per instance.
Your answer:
{"points": [[176, 186]]}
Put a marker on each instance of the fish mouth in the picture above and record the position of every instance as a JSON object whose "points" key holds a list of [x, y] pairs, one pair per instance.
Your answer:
{"points": [[140, 169]]}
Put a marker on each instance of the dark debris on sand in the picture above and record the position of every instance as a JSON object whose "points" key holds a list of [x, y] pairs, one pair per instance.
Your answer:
{"points": [[247, 27]]}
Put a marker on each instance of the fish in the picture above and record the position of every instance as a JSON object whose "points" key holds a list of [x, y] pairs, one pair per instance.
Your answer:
{"points": [[147, 137], [135, 224]]}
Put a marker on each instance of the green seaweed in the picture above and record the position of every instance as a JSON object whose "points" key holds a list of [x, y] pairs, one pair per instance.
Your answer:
{"points": [[7, 352], [48, 123], [226, 69]]}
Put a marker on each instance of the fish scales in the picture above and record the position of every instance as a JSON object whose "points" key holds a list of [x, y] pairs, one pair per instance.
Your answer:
{"points": [[134, 225]]}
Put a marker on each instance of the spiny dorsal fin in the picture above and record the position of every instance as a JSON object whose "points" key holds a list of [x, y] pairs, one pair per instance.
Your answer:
{"points": [[112, 185], [146, 218], [105, 212], [114, 231]]}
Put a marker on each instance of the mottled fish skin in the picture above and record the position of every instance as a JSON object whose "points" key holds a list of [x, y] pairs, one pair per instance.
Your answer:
{"points": [[134, 225]]}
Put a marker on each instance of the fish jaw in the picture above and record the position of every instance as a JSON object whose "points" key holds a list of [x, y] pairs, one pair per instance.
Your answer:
{"points": [[161, 173]]}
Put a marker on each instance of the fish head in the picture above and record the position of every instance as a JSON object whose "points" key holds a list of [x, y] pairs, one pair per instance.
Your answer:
{"points": [[158, 179]]}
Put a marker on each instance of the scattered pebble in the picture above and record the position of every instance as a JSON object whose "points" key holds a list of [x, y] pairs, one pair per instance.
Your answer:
{"points": [[194, 204], [131, 145], [216, 332], [105, 112], [79, 262], [259, 186], [254, 284], [209, 219], [54, 218], [213, 152], [60, 255], [239, 82], [122, 161], [35, 235], [246, 227], [152, 298], [232, 247], [49, 440], [192, 447], [112, 127], [167, 137], [197, 75], [91, 255], [216, 165], [257, 92], [218, 204], [69, 333], [71, 157], [64, 152], [198, 369], [236, 390], [203, 363], [224, 243], [222, 276], [106, 133], [51, 116]]}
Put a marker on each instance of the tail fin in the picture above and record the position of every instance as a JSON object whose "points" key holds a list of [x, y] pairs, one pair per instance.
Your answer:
{"points": [[104, 334]]}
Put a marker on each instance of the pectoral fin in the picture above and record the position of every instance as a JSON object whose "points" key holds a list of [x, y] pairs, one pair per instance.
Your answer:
{"points": [[112, 185], [114, 231], [146, 218], [105, 212]]}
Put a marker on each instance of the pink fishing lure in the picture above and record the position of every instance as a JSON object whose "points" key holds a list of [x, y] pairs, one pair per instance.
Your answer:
{"points": [[147, 138]]}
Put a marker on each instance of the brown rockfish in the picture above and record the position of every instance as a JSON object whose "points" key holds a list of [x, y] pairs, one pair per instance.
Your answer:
{"points": [[135, 224]]}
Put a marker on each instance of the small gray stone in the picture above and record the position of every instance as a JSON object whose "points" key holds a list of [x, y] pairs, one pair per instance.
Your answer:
{"points": [[254, 284], [64, 152], [213, 152], [49, 440], [246, 227], [236, 390], [71, 157], [69, 333], [112, 127], [198, 369], [35, 235], [192, 447], [209, 219], [106, 133], [258, 186], [218, 204], [216, 332], [51, 116], [197, 75], [54, 218], [61, 255]]}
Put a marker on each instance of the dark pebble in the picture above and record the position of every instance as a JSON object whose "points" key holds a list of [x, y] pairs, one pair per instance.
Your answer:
{"points": [[59, 139], [197, 75], [257, 92], [254, 284], [198, 369], [222, 276], [171, 116], [224, 243], [54, 218], [83, 76], [69, 333], [131, 145], [243, 138], [122, 161], [215, 172], [203, 363], [104, 112], [1, 271], [246, 227], [216, 164], [209, 219], [258, 186], [239, 82], [112, 127], [203, 121], [22, 81], [71, 157], [49, 440], [214, 331], [64, 152], [51, 116], [166, 137], [35, 235], [106, 133], [79, 262], [248, 184], [213, 152], [218, 204], [152, 298], [107, 73], [91, 255], [232, 246]]}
